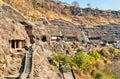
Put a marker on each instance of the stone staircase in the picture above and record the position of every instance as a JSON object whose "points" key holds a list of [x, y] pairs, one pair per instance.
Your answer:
{"points": [[28, 68]]}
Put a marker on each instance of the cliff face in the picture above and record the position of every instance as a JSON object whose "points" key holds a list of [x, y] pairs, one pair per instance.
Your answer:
{"points": [[81, 16], [6, 11], [77, 11], [12, 12], [57, 10], [12, 60]]}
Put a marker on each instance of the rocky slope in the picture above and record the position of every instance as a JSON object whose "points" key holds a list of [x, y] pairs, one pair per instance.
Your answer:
{"points": [[12, 62], [12, 12], [42, 68], [52, 10]]}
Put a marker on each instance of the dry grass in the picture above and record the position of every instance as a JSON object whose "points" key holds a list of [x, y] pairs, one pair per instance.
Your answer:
{"points": [[26, 8], [92, 20]]}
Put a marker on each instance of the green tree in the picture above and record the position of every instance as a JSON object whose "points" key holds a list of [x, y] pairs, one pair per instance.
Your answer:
{"points": [[61, 57], [34, 3], [84, 61]]}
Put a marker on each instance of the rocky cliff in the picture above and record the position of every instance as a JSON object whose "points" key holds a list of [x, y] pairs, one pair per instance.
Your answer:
{"points": [[10, 62], [66, 9], [46, 18], [11, 56], [57, 10]]}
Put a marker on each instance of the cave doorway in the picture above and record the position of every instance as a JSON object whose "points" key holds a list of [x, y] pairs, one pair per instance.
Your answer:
{"points": [[44, 38], [14, 44]]}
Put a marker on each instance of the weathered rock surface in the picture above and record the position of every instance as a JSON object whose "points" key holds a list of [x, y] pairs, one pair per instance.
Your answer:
{"points": [[42, 68], [10, 62], [7, 11], [10, 28], [57, 10]]}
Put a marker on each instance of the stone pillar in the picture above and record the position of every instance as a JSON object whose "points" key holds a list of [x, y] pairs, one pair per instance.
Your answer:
{"points": [[20, 44], [15, 43]]}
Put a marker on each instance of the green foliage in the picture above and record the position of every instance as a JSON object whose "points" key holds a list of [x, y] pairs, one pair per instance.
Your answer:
{"points": [[99, 75], [112, 50], [104, 53], [34, 3], [61, 57], [84, 61], [110, 77], [96, 55], [93, 73], [81, 59], [103, 69]]}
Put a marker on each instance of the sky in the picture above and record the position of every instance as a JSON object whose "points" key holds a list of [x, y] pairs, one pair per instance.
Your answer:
{"points": [[101, 4]]}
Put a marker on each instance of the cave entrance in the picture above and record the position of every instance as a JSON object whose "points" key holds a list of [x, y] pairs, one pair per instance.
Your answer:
{"points": [[94, 38], [17, 44], [29, 31], [71, 38], [12, 44], [44, 38]]}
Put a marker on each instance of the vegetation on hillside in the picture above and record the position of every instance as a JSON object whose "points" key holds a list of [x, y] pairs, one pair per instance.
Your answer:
{"points": [[97, 64]]}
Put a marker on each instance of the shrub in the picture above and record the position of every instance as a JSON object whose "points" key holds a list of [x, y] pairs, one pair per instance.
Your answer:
{"points": [[93, 73], [34, 3], [96, 55], [104, 53], [99, 75], [81, 59], [84, 61], [61, 57], [112, 50]]}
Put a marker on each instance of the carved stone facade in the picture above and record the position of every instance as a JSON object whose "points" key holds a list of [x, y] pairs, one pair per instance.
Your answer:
{"points": [[17, 44], [108, 33]]}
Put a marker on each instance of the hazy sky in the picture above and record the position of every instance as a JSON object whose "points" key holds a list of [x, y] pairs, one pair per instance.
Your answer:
{"points": [[102, 4]]}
